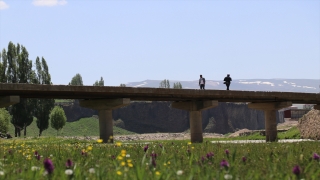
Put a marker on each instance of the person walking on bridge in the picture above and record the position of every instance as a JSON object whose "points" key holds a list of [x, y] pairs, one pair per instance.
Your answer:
{"points": [[227, 80], [202, 82]]}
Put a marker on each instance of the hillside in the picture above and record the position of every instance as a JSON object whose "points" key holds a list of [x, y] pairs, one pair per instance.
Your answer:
{"points": [[83, 127]]}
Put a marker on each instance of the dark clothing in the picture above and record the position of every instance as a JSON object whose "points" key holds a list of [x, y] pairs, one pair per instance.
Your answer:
{"points": [[204, 83], [227, 80]]}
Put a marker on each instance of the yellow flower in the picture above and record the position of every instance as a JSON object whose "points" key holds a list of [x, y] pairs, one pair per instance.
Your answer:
{"points": [[119, 158], [189, 143], [158, 173], [111, 137], [164, 164], [100, 140], [130, 165], [119, 173], [168, 162], [123, 163], [192, 147], [118, 143], [89, 148], [129, 160], [123, 151]]}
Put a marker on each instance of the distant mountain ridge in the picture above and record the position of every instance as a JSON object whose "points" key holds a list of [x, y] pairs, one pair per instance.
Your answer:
{"points": [[284, 85]]}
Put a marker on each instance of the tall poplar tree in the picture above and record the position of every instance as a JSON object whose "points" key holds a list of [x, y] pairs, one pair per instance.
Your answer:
{"points": [[3, 66], [44, 106]]}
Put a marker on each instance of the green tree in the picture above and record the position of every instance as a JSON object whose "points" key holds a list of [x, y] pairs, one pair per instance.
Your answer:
{"points": [[99, 83], [177, 85], [44, 106], [57, 118], [123, 85], [4, 120], [76, 80], [19, 70], [164, 84], [3, 66]]}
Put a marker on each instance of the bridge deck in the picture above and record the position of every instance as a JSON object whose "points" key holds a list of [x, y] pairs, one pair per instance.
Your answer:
{"points": [[152, 94]]}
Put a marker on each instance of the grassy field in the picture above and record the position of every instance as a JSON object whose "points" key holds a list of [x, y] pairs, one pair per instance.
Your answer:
{"points": [[83, 127], [55, 158]]}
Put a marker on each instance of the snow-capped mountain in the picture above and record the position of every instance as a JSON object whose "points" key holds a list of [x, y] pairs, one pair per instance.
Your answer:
{"points": [[284, 85]]}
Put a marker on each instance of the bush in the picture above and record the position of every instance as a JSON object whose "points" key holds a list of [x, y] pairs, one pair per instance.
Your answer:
{"points": [[4, 120]]}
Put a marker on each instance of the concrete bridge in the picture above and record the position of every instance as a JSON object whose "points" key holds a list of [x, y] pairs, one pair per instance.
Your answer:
{"points": [[105, 99]]}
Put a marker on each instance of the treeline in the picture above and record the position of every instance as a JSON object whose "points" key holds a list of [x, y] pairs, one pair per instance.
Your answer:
{"points": [[16, 67], [166, 84]]}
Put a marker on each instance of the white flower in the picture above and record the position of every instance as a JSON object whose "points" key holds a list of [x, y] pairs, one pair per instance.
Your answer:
{"points": [[68, 172], [227, 176], [179, 172], [128, 155], [1, 173], [51, 155], [91, 170], [35, 168]]}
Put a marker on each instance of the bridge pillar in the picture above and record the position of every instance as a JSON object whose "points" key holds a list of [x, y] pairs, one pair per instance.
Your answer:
{"points": [[9, 100], [105, 107], [270, 116], [195, 108]]}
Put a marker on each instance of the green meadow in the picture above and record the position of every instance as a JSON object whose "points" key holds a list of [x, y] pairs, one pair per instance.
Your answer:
{"points": [[57, 158]]}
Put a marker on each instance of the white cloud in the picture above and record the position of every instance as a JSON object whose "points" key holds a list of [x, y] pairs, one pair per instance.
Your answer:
{"points": [[49, 2], [3, 5]]}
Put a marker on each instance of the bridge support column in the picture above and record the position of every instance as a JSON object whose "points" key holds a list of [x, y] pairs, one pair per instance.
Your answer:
{"points": [[105, 107], [195, 108], [317, 107], [9, 100], [270, 116]]}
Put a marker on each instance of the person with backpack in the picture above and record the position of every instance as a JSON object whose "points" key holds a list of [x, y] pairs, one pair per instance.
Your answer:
{"points": [[227, 81], [202, 82]]}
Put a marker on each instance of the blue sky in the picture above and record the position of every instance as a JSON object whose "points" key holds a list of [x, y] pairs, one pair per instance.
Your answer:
{"points": [[128, 41]]}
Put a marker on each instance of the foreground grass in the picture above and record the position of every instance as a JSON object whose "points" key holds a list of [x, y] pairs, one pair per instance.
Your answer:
{"points": [[83, 127], [157, 160]]}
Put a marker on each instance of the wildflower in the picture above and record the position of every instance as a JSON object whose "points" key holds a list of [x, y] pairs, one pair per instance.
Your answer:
{"points": [[36, 153], [113, 157], [179, 172], [244, 159], [153, 162], [100, 140], [227, 176], [209, 155], [1, 173], [224, 163], [316, 156], [296, 170], [119, 173], [128, 155], [10, 151], [158, 173], [92, 171], [189, 143], [227, 152], [38, 157], [89, 148], [130, 164], [48, 165], [160, 145], [118, 143], [35, 168], [202, 159], [145, 148], [69, 163], [68, 172], [153, 155], [123, 163]]}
